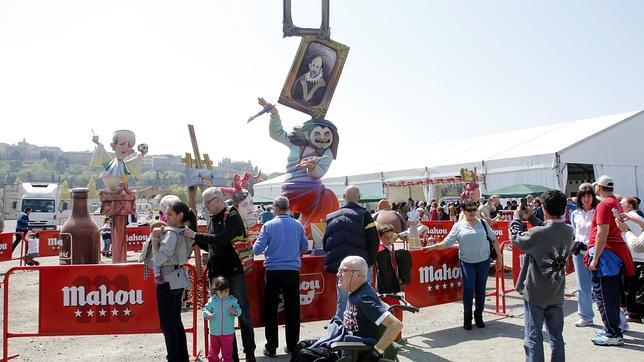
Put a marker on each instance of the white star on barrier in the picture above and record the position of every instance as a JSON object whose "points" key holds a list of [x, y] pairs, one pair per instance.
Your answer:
{"points": [[429, 288], [102, 312], [90, 313], [126, 311], [459, 284], [78, 313], [444, 286], [115, 311], [451, 285]]}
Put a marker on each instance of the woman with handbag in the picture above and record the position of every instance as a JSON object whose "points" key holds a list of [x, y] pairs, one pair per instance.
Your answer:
{"points": [[169, 253], [475, 240]]}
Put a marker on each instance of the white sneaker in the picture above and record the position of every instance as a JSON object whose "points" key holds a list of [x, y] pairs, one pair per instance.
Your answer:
{"points": [[608, 341], [583, 323]]}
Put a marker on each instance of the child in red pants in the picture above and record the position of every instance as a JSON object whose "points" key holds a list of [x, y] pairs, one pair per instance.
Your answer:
{"points": [[220, 312]]}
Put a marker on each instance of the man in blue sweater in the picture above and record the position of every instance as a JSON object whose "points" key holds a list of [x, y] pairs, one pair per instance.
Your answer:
{"points": [[282, 240], [22, 226]]}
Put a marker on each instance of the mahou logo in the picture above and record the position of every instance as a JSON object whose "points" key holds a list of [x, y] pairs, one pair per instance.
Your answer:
{"points": [[136, 238], [101, 299], [77, 296], [4, 246], [438, 231], [310, 285], [54, 242], [429, 275]]}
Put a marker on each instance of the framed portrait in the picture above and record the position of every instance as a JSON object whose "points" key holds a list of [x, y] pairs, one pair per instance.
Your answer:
{"points": [[314, 75], [290, 29]]}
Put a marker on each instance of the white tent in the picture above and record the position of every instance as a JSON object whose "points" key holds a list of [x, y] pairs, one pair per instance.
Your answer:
{"points": [[556, 156]]}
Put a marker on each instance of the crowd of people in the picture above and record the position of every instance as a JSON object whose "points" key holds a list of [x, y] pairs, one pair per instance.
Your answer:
{"points": [[600, 230]]}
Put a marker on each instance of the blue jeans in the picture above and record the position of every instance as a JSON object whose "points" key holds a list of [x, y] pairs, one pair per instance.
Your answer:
{"points": [[343, 296], [584, 283], [474, 280], [533, 341]]}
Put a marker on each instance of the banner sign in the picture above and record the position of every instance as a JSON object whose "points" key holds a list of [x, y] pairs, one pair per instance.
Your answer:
{"points": [[49, 243], [435, 278], [502, 231], [136, 236], [96, 299], [438, 229], [6, 240], [318, 297]]}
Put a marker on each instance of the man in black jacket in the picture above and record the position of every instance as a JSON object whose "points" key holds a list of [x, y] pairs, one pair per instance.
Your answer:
{"points": [[230, 255], [349, 231]]}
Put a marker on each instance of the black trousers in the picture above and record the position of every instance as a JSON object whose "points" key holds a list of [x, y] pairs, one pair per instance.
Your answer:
{"points": [[169, 305], [288, 283], [17, 240], [632, 285], [607, 291]]}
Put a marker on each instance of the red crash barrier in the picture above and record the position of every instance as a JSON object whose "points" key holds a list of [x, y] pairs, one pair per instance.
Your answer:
{"points": [[6, 242], [49, 243], [435, 278], [438, 229], [135, 237], [104, 299]]}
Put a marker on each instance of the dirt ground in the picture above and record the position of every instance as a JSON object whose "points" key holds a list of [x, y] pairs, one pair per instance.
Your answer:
{"points": [[434, 334]]}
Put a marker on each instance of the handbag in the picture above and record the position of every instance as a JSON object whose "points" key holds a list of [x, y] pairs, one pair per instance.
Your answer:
{"points": [[489, 239]]}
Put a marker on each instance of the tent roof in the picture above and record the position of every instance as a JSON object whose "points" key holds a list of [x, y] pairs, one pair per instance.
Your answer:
{"points": [[519, 190], [411, 162], [511, 144]]}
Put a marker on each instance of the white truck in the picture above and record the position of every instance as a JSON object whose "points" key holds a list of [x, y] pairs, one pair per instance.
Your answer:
{"points": [[42, 198]]}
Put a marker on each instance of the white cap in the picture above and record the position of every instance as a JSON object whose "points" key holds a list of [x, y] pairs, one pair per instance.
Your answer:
{"points": [[604, 180]]}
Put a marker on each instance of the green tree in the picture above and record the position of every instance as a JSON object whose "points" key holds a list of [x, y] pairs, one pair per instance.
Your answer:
{"points": [[64, 191], [179, 191], [91, 186]]}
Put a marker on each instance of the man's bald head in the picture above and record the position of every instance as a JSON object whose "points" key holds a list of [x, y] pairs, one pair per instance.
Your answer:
{"points": [[352, 194], [384, 205]]}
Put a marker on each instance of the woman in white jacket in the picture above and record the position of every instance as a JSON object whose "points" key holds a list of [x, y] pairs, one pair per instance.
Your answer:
{"points": [[581, 220]]}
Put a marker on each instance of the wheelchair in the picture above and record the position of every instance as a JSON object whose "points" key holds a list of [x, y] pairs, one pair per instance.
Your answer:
{"points": [[350, 351]]}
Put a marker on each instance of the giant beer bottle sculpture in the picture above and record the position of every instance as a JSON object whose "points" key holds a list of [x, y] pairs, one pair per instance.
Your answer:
{"points": [[83, 245]]}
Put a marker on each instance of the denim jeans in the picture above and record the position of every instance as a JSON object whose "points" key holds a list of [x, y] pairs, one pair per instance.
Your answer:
{"points": [[584, 296], [533, 341], [343, 296], [474, 280], [237, 283], [169, 306]]}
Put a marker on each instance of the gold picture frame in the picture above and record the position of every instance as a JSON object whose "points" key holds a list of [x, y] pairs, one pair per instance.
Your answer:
{"points": [[314, 74]]}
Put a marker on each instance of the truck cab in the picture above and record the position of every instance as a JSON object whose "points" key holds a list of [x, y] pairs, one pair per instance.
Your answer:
{"points": [[42, 199]]}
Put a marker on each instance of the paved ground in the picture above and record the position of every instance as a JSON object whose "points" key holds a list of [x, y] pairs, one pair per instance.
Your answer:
{"points": [[434, 334]]}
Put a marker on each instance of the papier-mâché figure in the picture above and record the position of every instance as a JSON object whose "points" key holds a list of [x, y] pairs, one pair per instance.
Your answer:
{"points": [[116, 170]]}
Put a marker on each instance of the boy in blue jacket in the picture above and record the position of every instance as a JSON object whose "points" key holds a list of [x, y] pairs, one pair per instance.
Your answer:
{"points": [[220, 312]]}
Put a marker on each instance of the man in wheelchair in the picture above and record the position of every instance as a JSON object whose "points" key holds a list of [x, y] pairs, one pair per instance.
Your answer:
{"points": [[364, 314]]}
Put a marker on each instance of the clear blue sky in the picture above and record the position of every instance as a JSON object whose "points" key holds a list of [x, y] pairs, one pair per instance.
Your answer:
{"points": [[418, 72]]}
